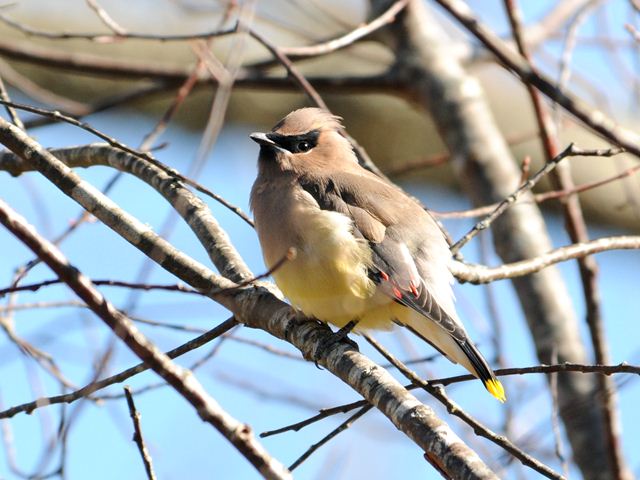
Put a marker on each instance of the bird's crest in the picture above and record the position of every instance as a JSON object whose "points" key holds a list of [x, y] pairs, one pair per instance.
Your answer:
{"points": [[307, 119]]}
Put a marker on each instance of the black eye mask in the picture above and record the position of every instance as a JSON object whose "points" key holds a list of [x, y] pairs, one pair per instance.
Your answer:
{"points": [[296, 143]]}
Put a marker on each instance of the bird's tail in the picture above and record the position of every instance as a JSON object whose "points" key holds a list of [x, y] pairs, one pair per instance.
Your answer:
{"points": [[483, 370], [460, 351]]}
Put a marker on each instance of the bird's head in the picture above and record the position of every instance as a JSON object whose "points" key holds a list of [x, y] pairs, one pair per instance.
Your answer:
{"points": [[305, 140]]}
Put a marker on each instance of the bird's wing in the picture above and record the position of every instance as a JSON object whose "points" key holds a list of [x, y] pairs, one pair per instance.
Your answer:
{"points": [[396, 272], [394, 266]]}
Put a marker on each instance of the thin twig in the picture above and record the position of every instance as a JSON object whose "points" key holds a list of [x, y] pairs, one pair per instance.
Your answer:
{"points": [[106, 19], [13, 115], [570, 151], [335, 432], [181, 95], [541, 197], [555, 417], [41, 305], [387, 17], [314, 96], [92, 387], [225, 76], [593, 119], [102, 37], [142, 155], [40, 94], [154, 386], [437, 159], [137, 435], [33, 287], [292, 72], [537, 369], [177, 287]]}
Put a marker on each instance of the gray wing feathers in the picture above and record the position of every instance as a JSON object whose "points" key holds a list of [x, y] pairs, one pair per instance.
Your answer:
{"points": [[414, 292], [409, 252]]}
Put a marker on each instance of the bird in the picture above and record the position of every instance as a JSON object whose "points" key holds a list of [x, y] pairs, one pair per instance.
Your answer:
{"points": [[366, 253]]}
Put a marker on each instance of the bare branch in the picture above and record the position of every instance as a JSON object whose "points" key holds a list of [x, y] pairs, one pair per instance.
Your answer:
{"points": [[571, 150], [455, 409], [330, 436], [387, 17], [594, 119], [555, 420], [137, 435], [32, 287], [621, 368], [10, 110], [120, 33], [141, 155], [481, 274], [110, 23], [87, 390], [40, 94], [577, 229], [182, 381], [291, 71]]}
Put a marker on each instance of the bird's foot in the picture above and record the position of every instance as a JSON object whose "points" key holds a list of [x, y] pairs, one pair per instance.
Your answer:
{"points": [[336, 337]]}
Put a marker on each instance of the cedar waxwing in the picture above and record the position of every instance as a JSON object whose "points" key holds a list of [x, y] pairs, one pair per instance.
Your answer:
{"points": [[365, 251]]}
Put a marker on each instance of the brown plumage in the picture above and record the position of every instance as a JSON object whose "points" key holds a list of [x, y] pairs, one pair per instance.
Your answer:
{"points": [[365, 250]]}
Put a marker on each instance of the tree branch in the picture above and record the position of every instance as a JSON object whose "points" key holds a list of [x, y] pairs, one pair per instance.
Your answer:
{"points": [[478, 274], [87, 390], [137, 435], [593, 119], [570, 151], [181, 380], [454, 409]]}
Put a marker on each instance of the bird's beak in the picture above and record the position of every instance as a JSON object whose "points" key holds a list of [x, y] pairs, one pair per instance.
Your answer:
{"points": [[262, 139]]}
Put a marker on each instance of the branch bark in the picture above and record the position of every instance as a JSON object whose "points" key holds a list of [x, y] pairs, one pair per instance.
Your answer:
{"points": [[482, 274]]}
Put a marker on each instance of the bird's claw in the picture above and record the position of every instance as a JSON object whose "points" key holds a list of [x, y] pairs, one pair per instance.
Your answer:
{"points": [[336, 337]]}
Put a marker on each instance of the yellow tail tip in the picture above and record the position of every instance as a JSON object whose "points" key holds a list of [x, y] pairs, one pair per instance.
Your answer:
{"points": [[496, 389]]}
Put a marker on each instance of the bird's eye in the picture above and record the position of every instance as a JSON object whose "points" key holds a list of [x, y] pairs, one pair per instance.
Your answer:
{"points": [[303, 146]]}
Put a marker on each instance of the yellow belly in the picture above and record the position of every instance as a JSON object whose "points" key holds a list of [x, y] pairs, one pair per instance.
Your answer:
{"points": [[328, 278], [332, 294]]}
